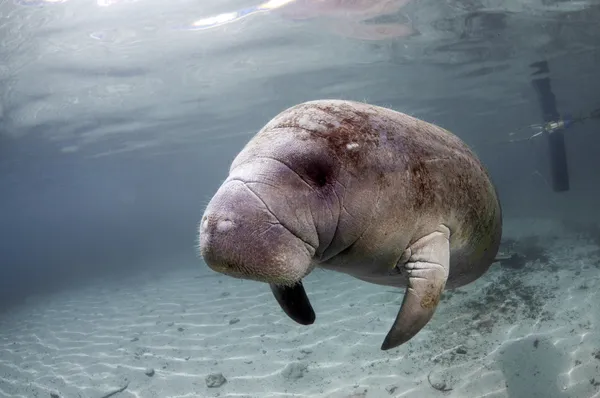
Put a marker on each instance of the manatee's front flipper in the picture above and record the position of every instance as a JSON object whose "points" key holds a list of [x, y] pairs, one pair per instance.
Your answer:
{"points": [[427, 265], [294, 302]]}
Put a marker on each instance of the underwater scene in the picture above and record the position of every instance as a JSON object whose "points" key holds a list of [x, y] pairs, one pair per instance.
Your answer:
{"points": [[299, 198]]}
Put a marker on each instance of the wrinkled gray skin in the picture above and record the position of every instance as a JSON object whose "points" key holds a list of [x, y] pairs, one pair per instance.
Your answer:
{"points": [[358, 189]]}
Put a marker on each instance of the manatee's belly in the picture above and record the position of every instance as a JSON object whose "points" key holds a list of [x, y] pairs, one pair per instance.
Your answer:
{"points": [[464, 269], [376, 276], [379, 268]]}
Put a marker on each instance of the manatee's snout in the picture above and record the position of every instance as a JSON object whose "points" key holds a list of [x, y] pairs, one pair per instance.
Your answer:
{"points": [[240, 237]]}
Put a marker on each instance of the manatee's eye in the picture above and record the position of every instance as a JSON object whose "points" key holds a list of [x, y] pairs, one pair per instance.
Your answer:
{"points": [[319, 173], [321, 180]]}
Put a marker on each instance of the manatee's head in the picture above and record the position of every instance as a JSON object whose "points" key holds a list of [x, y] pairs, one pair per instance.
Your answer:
{"points": [[293, 197], [241, 236]]}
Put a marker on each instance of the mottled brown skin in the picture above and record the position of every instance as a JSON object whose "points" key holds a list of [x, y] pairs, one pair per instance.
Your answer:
{"points": [[348, 186]]}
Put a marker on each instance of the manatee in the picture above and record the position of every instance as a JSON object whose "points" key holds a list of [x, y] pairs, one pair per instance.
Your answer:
{"points": [[358, 189]]}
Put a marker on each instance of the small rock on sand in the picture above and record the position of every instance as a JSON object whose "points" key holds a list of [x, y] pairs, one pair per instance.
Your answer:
{"points": [[149, 372], [215, 380], [295, 371]]}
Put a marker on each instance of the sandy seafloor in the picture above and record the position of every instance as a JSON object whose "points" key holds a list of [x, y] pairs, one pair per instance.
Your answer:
{"points": [[516, 332]]}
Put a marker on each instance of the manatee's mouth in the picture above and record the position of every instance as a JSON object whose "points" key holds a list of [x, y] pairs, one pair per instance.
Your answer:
{"points": [[286, 263]]}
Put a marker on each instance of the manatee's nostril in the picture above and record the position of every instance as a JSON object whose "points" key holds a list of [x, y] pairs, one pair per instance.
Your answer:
{"points": [[224, 225], [212, 223]]}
